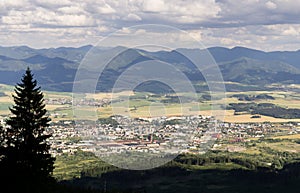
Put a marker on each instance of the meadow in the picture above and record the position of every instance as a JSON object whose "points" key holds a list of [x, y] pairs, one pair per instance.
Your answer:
{"points": [[144, 104]]}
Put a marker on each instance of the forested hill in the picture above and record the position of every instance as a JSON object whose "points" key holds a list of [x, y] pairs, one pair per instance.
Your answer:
{"points": [[56, 67]]}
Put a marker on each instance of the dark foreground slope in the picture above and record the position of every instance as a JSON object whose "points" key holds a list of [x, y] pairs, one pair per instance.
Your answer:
{"points": [[176, 179], [208, 173]]}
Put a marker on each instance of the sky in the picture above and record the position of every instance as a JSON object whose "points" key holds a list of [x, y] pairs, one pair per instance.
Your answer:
{"points": [[260, 24]]}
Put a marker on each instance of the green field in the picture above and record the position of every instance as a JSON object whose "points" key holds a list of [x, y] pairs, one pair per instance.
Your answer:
{"points": [[147, 104]]}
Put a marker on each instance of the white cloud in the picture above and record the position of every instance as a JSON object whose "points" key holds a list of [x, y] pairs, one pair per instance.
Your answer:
{"points": [[52, 3], [229, 41], [132, 17], [42, 16], [196, 34], [189, 11], [269, 38], [102, 29], [154, 6], [291, 31], [71, 10], [6, 5], [271, 5], [125, 30], [265, 24], [12, 3], [106, 9]]}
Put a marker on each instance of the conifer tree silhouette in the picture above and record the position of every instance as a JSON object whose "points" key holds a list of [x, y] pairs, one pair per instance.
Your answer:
{"points": [[24, 149]]}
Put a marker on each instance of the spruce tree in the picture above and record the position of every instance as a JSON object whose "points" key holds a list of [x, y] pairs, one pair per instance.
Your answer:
{"points": [[26, 151]]}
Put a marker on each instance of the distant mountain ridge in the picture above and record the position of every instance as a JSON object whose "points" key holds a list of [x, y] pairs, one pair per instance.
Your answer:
{"points": [[55, 68]]}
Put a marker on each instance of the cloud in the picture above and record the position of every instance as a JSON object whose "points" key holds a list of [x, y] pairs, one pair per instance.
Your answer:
{"points": [[71, 10], [156, 6], [271, 5], [5, 6], [268, 24], [257, 12], [51, 3], [186, 13], [13, 3], [179, 11], [291, 31], [106, 9], [43, 17], [132, 17]]}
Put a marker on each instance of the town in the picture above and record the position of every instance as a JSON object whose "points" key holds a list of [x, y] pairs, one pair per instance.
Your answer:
{"points": [[175, 135]]}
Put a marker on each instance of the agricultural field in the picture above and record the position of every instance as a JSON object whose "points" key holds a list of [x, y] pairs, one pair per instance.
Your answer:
{"points": [[147, 104]]}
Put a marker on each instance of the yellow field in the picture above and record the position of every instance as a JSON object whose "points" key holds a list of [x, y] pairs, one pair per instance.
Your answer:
{"points": [[230, 117], [4, 112], [6, 99], [287, 103], [146, 109], [296, 136], [53, 107]]}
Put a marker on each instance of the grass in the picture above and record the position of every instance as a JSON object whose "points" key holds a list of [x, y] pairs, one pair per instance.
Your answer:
{"points": [[70, 166], [282, 146], [285, 146], [252, 151], [215, 166]]}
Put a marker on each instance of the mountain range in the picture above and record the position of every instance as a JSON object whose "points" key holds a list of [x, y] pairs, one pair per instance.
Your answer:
{"points": [[55, 68]]}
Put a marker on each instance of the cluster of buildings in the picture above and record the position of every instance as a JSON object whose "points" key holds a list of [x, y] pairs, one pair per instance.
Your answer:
{"points": [[156, 135], [92, 102], [58, 101], [80, 102], [159, 135], [239, 132]]}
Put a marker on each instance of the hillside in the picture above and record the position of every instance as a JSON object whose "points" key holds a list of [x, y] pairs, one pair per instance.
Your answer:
{"points": [[55, 68]]}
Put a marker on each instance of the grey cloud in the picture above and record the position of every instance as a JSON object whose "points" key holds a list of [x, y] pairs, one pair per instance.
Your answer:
{"points": [[51, 4], [189, 14], [258, 12], [223, 22]]}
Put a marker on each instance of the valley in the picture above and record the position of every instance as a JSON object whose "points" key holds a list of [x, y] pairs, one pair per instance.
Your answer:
{"points": [[241, 134], [257, 121]]}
